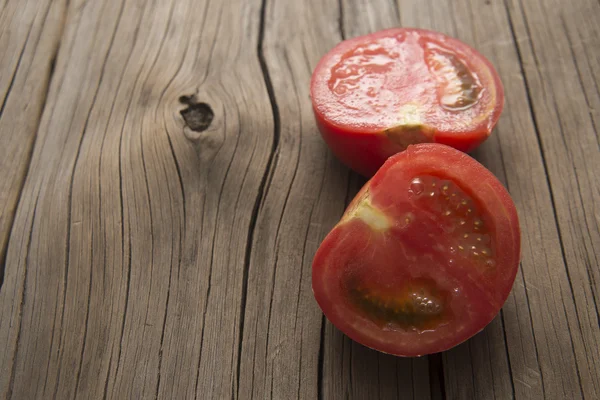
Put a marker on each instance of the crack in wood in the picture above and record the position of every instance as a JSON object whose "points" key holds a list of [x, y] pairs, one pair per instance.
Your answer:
{"points": [[16, 70], [199, 117], [578, 69], [554, 202], [269, 171], [4, 242], [22, 302], [69, 207], [341, 19]]}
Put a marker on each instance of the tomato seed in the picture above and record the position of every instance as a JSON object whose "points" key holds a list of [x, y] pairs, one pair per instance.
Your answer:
{"points": [[416, 186]]}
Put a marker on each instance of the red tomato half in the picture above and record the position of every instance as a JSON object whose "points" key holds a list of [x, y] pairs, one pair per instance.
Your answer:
{"points": [[376, 94], [423, 258]]}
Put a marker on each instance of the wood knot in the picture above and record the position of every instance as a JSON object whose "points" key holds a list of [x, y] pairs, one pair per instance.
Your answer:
{"points": [[197, 116]]}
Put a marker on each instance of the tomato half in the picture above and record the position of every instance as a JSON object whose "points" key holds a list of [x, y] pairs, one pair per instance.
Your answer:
{"points": [[423, 258], [374, 95]]}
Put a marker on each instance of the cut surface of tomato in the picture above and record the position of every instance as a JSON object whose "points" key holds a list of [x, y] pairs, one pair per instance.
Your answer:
{"points": [[374, 95], [423, 258]]}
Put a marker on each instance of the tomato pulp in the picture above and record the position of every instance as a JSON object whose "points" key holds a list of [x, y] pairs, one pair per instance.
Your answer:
{"points": [[423, 258], [376, 94]]}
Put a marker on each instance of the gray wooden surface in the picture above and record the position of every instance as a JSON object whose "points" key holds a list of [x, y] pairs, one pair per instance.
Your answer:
{"points": [[163, 189]]}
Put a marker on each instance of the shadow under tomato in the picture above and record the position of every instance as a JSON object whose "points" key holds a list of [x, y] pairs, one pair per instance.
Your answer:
{"points": [[479, 368], [353, 371], [355, 183], [489, 154]]}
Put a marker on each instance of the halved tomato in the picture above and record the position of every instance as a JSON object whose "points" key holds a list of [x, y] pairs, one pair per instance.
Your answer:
{"points": [[423, 258], [376, 94]]}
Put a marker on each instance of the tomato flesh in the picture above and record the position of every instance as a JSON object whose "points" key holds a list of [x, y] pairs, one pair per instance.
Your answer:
{"points": [[424, 257], [376, 94]]}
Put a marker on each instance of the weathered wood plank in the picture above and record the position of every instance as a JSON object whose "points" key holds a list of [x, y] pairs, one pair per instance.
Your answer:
{"points": [[306, 194], [178, 190], [29, 36], [126, 263], [563, 95], [580, 24]]}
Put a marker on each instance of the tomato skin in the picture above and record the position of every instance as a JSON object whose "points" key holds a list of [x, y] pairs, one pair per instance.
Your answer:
{"points": [[474, 298], [363, 153], [362, 143]]}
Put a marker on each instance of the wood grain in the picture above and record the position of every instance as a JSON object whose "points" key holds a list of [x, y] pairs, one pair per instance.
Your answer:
{"points": [[569, 139], [125, 267], [305, 197], [172, 189], [29, 38]]}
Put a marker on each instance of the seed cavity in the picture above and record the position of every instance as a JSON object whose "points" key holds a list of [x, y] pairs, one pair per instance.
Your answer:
{"points": [[417, 304], [357, 79], [459, 88], [424, 304], [459, 217]]}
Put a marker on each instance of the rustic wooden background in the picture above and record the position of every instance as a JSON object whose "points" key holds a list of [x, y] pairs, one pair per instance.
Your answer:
{"points": [[149, 251]]}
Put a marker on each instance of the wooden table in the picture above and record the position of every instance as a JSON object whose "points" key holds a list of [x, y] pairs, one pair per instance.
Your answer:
{"points": [[164, 188]]}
